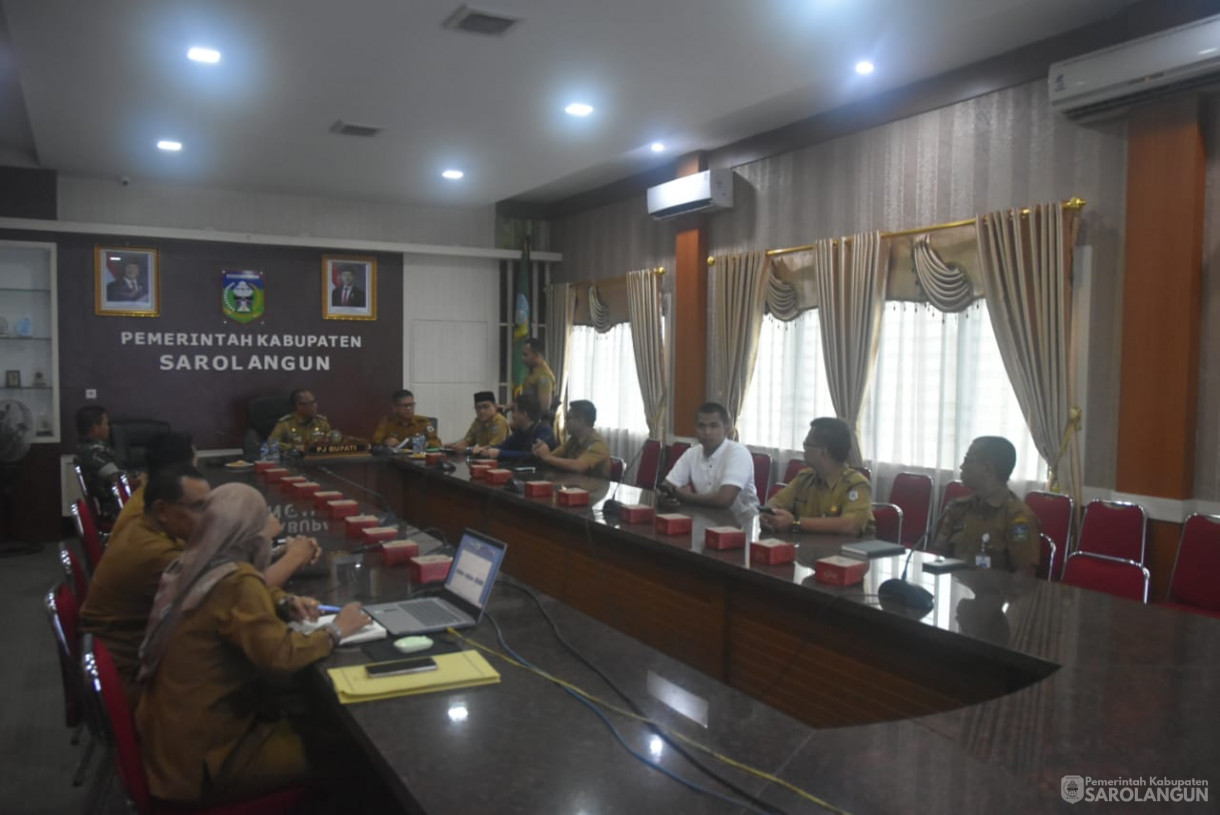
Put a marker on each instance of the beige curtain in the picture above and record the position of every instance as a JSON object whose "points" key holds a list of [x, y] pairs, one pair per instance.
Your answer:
{"points": [[648, 342], [945, 284], [560, 312], [600, 312], [736, 294], [852, 285], [1026, 264]]}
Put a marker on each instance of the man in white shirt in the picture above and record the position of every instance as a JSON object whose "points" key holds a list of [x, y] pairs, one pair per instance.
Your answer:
{"points": [[718, 472]]}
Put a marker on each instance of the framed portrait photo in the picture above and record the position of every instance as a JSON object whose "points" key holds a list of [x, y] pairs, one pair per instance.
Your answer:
{"points": [[127, 281], [349, 288]]}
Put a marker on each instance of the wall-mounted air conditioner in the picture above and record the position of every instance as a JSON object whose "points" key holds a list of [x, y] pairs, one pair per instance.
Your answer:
{"points": [[702, 192], [1110, 81]]}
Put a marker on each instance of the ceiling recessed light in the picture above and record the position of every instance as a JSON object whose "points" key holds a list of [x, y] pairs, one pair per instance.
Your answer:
{"points": [[453, 175], [864, 67], [170, 146], [209, 55], [578, 109], [656, 147]]}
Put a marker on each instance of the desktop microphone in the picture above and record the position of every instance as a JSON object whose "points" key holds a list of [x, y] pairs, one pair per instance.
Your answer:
{"points": [[390, 518], [612, 508], [898, 590]]}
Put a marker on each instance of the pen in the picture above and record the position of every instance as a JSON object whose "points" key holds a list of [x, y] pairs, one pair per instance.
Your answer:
{"points": [[329, 609]]}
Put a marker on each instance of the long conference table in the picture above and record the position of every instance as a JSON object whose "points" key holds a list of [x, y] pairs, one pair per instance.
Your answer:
{"points": [[987, 703]]}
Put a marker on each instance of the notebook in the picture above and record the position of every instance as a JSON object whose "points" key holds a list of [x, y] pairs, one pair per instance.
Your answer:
{"points": [[871, 549], [369, 633], [460, 603]]}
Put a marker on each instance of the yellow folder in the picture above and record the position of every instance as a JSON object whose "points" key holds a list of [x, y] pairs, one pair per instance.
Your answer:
{"points": [[463, 669]]}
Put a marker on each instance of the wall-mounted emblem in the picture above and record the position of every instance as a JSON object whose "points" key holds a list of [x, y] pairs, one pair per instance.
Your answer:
{"points": [[242, 295]]}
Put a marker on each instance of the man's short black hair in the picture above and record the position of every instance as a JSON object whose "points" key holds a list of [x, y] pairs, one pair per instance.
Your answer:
{"points": [[169, 448], [527, 403], [166, 484], [584, 410], [998, 452], [834, 435], [535, 345], [295, 396], [402, 393], [717, 408], [87, 418]]}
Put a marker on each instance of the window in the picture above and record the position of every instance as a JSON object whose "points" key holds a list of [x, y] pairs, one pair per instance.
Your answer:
{"points": [[603, 371], [789, 384], [938, 383]]}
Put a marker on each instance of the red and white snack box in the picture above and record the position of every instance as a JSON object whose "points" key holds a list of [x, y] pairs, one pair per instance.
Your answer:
{"points": [[324, 497], [355, 523], [724, 537], [399, 552], [772, 551], [479, 471], [272, 475], [378, 534], [433, 458], [486, 462], [498, 476], [673, 523], [539, 489], [430, 568], [343, 508], [304, 489], [837, 570], [263, 466], [572, 497], [638, 514], [287, 482]]}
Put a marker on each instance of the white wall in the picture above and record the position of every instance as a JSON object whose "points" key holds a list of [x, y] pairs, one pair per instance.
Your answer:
{"points": [[450, 335]]}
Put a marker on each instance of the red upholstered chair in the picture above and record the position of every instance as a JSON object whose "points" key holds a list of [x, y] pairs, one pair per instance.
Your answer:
{"points": [[888, 520], [1194, 584], [912, 492], [102, 680], [1048, 559], [953, 491], [74, 575], [1115, 529], [1054, 512], [616, 468], [762, 473], [1122, 578], [672, 455], [90, 538], [650, 463], [794, 467], [63, 612]]}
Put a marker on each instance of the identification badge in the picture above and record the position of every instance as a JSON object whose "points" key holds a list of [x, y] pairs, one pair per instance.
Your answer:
{"points": [[852, 495], [982, 561]]}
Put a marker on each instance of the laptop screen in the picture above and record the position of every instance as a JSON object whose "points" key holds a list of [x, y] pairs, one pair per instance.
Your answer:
{"points": [[474, 569]]}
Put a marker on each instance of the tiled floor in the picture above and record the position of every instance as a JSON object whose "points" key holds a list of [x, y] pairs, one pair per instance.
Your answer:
{"points": [[38, 760]]}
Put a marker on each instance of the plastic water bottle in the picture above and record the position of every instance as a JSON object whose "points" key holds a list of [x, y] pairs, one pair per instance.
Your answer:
{"points": [[264, 452], [417, 443], [275, 450]]}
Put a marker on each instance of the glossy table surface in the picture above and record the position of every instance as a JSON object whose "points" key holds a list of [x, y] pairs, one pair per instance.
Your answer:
{"points": [[1130, 691]]}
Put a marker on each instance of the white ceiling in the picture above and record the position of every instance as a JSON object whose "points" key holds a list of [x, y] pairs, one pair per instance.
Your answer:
{"points": [[101, 82]]}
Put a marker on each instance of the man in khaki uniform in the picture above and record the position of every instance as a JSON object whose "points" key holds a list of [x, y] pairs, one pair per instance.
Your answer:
{"points": [[584, 451], [488, 428], [992, 528], [540, 381], [829, 496], [403, 424], [304, 426]]}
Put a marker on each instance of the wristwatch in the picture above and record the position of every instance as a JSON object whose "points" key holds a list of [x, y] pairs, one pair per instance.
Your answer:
{"points": [[796, 523], [335, 634]]}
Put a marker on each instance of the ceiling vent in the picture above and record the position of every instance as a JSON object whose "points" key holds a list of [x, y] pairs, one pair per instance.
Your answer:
{"points": [[348, 129], [478, 21]]}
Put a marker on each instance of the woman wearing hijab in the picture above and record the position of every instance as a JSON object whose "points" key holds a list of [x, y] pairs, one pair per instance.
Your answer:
{"points": [[213, 631]]}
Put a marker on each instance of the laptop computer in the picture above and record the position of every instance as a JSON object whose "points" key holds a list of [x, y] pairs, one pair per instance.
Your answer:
{"points": [[460, 603]]}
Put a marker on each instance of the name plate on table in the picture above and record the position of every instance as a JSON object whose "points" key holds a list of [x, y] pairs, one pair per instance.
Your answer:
{"points": [[345, 448]]}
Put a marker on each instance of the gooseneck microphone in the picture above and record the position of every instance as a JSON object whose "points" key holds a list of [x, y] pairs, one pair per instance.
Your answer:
{"points": [[898, 590], [611, 507], [390, 518]]}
